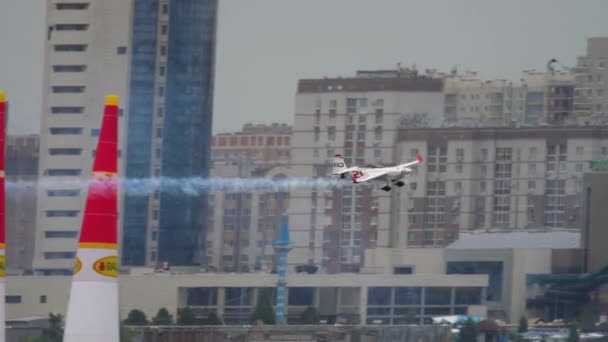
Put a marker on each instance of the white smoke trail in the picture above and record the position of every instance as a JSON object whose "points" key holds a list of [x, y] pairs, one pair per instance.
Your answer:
{"points": [[191, 186]]}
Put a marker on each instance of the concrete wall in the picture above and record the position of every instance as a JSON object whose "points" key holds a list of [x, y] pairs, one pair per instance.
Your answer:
{"points": [[422, 260]]}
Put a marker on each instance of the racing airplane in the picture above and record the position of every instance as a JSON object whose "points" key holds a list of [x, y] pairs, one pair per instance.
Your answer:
{"points": [[374, 173]]}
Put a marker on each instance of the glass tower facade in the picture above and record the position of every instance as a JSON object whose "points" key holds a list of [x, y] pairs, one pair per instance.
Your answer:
{"points": [[169, 126]]}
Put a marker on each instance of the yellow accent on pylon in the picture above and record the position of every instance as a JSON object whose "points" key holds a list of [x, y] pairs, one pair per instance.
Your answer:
{"points": [[99, 245], [112, 100], [2, 97]]}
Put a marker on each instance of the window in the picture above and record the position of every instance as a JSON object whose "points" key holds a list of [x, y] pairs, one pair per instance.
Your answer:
{"points": [[61, 213], [42, 299], [63, 172], [159, 132], [67, 110], [63, 193], [531, 169], [59, 255], [402, 270], [55, 234], [458, 168], [12, 299], [69, 68], [482, 187], [457, 187], [71, 6], [65, 151], [459, 154], [68, 89], [70, 47], [65, 130], [165, 8], [163, 29], [579, 167], [95, 132], [531, 185], [71, 27], [580, 150]]}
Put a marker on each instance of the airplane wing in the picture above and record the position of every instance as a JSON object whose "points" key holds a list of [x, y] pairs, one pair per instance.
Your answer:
{"points": [[419, 160], [345, 171], [365, 175]]}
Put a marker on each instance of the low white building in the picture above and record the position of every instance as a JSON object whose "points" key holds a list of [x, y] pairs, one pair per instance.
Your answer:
{"points": [[389, 299], [506, 257]]}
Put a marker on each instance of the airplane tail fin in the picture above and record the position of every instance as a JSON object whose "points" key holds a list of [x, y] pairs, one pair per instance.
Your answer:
{"points": [[339, 166], [420, 159]]}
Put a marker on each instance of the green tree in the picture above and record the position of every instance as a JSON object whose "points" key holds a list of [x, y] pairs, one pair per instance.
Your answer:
{"points": [[163, 317], [125, 334], [263, 309], [309, 316], [573, 334], [410, 317], [39, 338], [185, 316], [523, 325], [468, 332], [54, 332], [136, 317], [213, 319]]}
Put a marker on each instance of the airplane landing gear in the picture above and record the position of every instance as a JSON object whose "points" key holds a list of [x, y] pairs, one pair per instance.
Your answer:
{"points": [[386, 187]]}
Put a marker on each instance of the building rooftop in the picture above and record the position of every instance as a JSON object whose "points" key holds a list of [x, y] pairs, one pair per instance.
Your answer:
{"points": [[562, 239]]}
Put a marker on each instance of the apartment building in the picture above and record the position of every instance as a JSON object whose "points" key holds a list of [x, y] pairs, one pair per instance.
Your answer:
{"points": [[21, 174], [262, 144], [494, 178], [538, 97], [171, 99], [86, 58], [244, 224], [591, 72], [358, 117]]}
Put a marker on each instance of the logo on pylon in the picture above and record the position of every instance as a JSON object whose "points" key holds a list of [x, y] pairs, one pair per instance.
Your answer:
{"points": [[78, 266], [2, 266], [107, 266]]}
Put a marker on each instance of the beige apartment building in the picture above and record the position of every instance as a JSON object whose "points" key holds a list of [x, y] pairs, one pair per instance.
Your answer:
{"points": [[86, 58], [494, 178], [244, 224], [591, 72], [264, 145], [358, 117], [538, 98]]}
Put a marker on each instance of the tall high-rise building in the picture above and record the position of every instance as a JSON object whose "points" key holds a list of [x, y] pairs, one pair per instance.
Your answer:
{"points": [[591, 94], [86, 57], [358, 118], [171, 97], [21, 168]]}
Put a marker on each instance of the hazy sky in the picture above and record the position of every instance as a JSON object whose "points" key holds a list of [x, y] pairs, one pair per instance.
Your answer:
{"points": [[265, 46]]}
